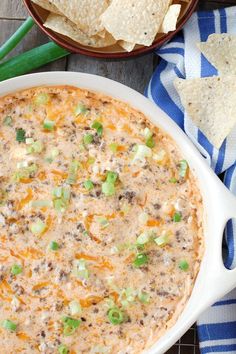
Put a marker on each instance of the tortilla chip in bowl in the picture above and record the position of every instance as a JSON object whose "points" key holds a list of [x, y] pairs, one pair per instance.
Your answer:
{"points": [[110, 28]]}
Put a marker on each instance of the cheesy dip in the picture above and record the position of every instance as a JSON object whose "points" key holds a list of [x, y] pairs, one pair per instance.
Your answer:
{"points": [[100, 225]]}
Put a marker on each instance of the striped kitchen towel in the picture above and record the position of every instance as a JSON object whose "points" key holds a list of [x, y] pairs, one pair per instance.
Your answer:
{"points": [[180, 58]]}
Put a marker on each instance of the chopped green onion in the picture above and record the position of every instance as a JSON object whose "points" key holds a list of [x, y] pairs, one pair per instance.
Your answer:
{"points": [[42, 98], [183, 265], [61, 197], [173, 180], [103, 222], [9, 325], [75, 308], [54, 246], [147, 133], [88, 185], [16, 269], [91, 160], [177, 217], [38, 227], [41, 203], [53, 154], [162, 240], [115, 316], [143, 238], [80, 109], [113, 147], [62, 349], [35, 147], [25, 172], [127, 296], [88, 139], [140, 260], [108, 189], [80, 269], [142, 152], [159, 157], [183, 169], [73, 171], [144, 297], [48, 124], [20, 135], [98, 126], [150, 142], [143, 218], [60, 205], [8, 121], [29, 141], [70, 325], [111, 177]]}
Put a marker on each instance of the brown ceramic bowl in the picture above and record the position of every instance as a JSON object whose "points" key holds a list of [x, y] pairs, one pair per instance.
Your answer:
{"points": [[115, 51]]}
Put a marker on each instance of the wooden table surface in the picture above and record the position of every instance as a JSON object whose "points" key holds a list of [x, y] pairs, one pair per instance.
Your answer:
{"points": [[134, 73]]}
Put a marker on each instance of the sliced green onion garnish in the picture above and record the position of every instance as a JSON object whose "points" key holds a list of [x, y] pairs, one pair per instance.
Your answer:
{"points": [[54, 246], [81, 109], [173, 180], [103, 222], [183, 265], [42, 98], [143, 238], [144, 297], [115, 316], [88, 139], [9, 325], [48, 124], [150, 142], [183, 168], [162, 240], [142, 152], [73, 171], [91, 160], [88, 185], [41, 203], [35, 147], [25, 172], [98, 126], [29, 141], [113, 147], [62, 349], [38, 227], [20, 135], [53, 154], [127, 296], [140, 260], [147, 133], [57, 192], [111, 177], [70, 325], [60, 205], [61, 197], [8, 121], [75, 308], [177, 217], [80, 269], [108, 189], [16, 269]]}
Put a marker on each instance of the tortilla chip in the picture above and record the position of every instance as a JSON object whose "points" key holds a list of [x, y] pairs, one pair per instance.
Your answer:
{"points": [[45, 4], [84, 13], [211, 104], [127, 46], [171, 18], [62, 25], [220, 50], [135, 21]]}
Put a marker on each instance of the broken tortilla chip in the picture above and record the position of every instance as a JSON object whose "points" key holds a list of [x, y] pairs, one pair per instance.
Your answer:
{"points": [[171, 18], [211, 104], [135, 21], [126, 45], [62, 25], [220, 50], [84, 13], [47, 5]]}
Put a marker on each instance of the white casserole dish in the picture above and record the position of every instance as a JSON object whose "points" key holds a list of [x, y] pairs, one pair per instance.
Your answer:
{"points": [[213, 280]]}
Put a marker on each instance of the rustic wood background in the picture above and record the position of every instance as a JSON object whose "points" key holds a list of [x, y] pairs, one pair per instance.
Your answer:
{"points": [[134, 73]]}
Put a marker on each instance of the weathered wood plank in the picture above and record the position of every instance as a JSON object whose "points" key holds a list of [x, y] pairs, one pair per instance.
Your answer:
{"points": [[34, 38], [133, 72], [12, 9]]}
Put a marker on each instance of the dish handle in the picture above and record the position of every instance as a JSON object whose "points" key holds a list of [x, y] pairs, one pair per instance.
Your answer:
{"points": [[221, 279]]}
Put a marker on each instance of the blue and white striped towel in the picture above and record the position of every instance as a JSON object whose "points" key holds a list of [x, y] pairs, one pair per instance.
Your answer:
{"points": [[181, 58]]}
